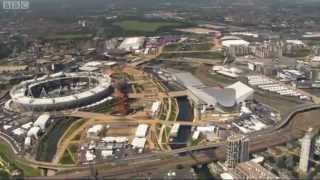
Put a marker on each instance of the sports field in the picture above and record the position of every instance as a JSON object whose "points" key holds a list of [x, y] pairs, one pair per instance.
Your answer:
{"points": [[145, 26]]}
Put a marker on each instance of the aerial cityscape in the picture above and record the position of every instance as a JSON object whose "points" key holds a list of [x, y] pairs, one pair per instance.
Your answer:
{"points": [[160, 89]]}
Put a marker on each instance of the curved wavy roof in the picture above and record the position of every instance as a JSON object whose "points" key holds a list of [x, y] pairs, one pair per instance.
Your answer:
{"points": [[224, 97]]}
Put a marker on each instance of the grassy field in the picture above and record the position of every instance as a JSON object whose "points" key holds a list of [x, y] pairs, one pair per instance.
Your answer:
{"points": [[222, 79], [173, 113], [299, 53], [144, 26], [201, 55], [189, 47], [70, 36], [66, 158], [7, 155], [70, 155], [74, 127]]}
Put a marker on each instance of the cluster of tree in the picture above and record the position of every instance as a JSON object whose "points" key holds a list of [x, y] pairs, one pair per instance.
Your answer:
{"points": [[4, 51]]}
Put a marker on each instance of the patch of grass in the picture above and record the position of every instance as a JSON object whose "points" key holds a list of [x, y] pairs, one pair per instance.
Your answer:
{"points": [[197, 141], [66, 158], [222, 79], [71, 36], [73, 149], [173, 111], [201, 55], [8, 156], [144, 26], [74, 127], [77, 137], [188, 47], [299, 53], [106, 108]]}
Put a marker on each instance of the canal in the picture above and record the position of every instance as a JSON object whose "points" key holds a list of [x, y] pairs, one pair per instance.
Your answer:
{"points": [[184, 134]]}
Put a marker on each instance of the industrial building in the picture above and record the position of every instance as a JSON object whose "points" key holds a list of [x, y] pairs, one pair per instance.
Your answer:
{"points": [[212, 98], [270, 85], [243, 92], [251, 170]]}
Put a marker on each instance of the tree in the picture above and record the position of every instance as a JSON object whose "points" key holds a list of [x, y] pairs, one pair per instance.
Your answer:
{"points": [[280, 162], [290, 163]]}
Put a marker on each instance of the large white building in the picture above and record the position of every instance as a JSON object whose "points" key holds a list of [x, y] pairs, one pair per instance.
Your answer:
{"points": [[132, 43], [228, 41], [243, 92], [42, 121]]}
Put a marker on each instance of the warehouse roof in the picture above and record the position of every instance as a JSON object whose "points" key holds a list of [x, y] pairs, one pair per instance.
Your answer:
{"points": [[187, 79], [224, 97], [237, 42]]}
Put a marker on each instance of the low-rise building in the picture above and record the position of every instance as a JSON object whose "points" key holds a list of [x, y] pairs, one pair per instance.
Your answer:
{"points": [[252, 170]]}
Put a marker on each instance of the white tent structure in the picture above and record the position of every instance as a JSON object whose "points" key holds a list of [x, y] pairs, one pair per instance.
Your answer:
{"points": [[141, 130], [42, 121], [33, 132], [243, 92]]}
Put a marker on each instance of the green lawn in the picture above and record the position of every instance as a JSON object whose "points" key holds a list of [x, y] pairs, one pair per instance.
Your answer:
{"points": [[107, 108], [201, 55], [67, 155], [222, 79], [144, 26], [189, 47], [71, 36], [173, 111], [7, 155], [299, 53], [66, 158], [74, 127]]}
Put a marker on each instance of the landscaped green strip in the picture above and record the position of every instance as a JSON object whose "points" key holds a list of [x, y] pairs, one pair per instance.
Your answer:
{"points": [[189, 47], [66, 158], [8, 156], [73, 149], [74, 127], [222, 79], [201, 55]]}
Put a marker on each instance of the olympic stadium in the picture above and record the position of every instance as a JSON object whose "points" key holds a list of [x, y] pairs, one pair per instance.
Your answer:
{"points": [[60, 91]]}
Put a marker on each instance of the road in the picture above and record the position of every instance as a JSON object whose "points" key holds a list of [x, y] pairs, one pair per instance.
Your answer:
{"points": [[130, 119], [195, 60]]}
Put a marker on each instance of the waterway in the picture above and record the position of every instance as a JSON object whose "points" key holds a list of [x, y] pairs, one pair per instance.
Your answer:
{"points": [[184, 134]]}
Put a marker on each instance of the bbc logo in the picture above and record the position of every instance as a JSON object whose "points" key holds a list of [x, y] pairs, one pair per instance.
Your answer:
{"points": [[16, 4]]}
